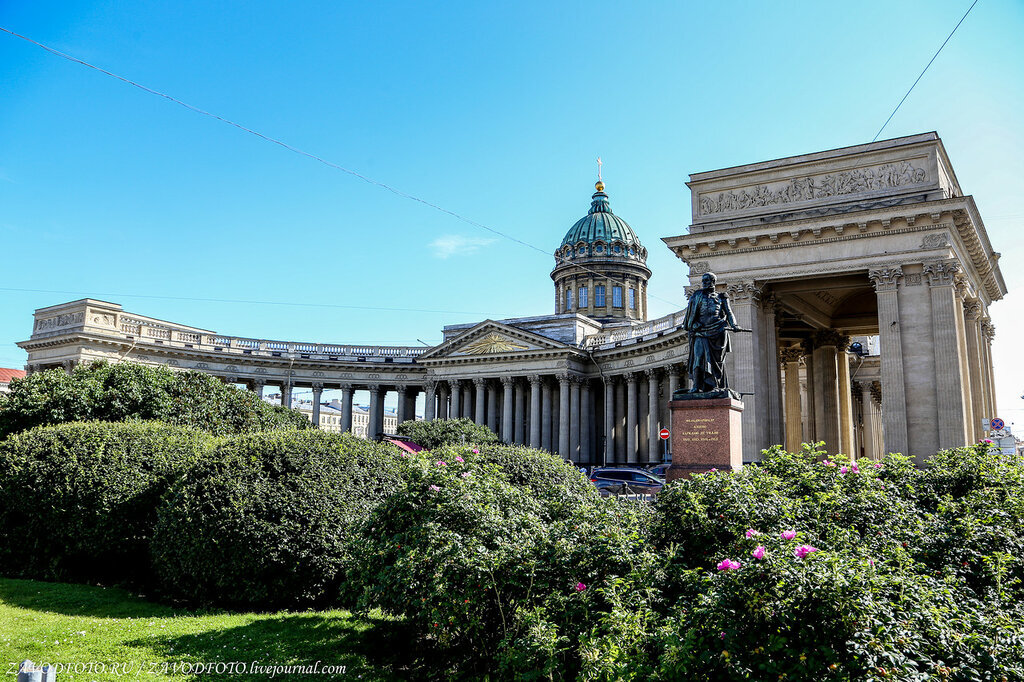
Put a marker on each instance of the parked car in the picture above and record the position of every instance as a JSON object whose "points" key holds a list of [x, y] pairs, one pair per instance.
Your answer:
{"points": [[660, 470], [625, 481]]}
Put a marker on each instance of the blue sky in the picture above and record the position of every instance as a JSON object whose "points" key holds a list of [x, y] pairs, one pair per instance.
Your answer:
{"points": [[496, 111]]}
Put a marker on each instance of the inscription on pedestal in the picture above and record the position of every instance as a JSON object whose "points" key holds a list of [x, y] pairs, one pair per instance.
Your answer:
{"points": [[699, 430], [706, 434]]}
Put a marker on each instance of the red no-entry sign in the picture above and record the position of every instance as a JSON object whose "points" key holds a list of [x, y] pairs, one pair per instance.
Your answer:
{"points": [[664, 434]]}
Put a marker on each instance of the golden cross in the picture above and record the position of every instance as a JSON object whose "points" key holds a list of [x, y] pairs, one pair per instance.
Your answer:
{"points": [[599, 168]]}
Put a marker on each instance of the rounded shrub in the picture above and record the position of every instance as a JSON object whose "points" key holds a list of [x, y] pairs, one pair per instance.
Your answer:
{"points": [[126, 390], [78, 501], [438, 432], [265, 522]]}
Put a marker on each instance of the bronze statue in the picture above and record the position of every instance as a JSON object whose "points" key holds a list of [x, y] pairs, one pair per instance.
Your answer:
{"points": [[708, 321]]}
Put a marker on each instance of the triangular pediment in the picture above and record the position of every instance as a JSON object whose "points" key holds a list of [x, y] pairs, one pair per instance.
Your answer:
{"points": [[491, 338]]}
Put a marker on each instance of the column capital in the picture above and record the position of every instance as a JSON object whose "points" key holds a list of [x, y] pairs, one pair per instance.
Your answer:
{"points": [[479, 382], [831, 337], [792, 354], [651, 373], [942, 272], [373, 388], [886, 277], [673, 370], [345, 386], [972, 310], [630, 377], [508, 381], [988, 329], [230, 379], [258, 382], [318, 385], [430, 385], [743, 292], [535, 379], [564, 377], [876, 391]]}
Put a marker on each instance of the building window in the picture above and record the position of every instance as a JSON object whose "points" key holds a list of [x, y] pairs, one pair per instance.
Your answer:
{"points": [[599, 296], [583, 297], [599, 249], [616, 297], [568, 299], [632, 299]]}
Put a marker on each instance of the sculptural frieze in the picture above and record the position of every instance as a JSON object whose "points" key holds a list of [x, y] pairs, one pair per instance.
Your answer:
{"points": [[856, 181]]}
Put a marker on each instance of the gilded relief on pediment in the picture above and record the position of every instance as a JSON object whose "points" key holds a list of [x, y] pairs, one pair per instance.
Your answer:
{"points": [[491, 344]]}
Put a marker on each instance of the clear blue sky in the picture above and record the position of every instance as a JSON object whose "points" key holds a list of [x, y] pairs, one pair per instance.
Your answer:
{"points": [[493, 110]]}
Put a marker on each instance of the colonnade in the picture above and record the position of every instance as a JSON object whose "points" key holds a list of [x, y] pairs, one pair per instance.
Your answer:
{"points": [[613, 419]]}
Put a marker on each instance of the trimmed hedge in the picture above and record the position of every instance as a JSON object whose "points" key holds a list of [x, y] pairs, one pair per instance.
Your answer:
{"points": [[126, 390], [264, 523], [78, 501], [438, 432]]}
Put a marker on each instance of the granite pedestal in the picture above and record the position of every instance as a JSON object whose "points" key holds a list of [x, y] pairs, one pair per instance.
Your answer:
{"points": [[706, 434]]}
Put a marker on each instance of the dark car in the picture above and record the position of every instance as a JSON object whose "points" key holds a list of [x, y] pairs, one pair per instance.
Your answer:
{"points": [[660, 470], [625, 481]]}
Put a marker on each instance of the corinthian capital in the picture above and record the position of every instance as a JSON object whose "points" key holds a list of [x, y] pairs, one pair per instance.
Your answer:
{"points": [[942, 272], [885, 278]]}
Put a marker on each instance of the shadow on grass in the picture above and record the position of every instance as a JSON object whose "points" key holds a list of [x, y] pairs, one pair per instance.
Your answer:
{"points": [[370, 647], [79, 600]]}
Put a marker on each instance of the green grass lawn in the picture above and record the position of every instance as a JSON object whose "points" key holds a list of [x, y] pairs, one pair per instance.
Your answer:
{"points": [[94, 629]]}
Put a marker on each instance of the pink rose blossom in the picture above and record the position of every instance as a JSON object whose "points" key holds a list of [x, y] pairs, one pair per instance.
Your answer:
{"points": [[721, 635], [827, 463], [854, 468], [788, 534], [465, 474], [475, 451], [441, 463], [728, 565], [459, 459], [878, 465], [752, 533], [802, 551], [580, 587], [434, 488], [842, 470], [758, 553], [712, 470]]}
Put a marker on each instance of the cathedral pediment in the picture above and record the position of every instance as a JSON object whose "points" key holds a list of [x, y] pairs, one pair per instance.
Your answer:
{"points": [[491, 338]]}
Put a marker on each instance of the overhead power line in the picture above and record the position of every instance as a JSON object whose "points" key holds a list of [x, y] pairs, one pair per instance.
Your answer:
{"points": [[331, 164], [925, 69]]}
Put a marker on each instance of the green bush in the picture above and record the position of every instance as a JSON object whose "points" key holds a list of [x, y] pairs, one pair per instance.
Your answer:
{"points": [[265, 522], [78, 501], [488, 569], [437, 432], [105, 392]]}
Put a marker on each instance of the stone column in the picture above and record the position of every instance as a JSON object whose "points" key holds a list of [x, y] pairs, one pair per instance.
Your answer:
{"points": [[376, 416], [520, 410], [442, 400], [750, 373], [257, 386], [949, 389], [492, 407], [403, 405], [894, 398], [507, 423], [809, 382], [535, 411], [653, 417], [876, 419], [467, 400], [574, 420], [430, 401], [609, 420], [867, 403], [586, 423], [770, 362], [620, 420], [563, 415], [318, 394], [988, 331], [673, 382], [545, 418], [972, 316], [846, 443], [826, 388], [286, 393], [456, 408], [480, 416], [346, 407], [790, 358], [631, 405]]}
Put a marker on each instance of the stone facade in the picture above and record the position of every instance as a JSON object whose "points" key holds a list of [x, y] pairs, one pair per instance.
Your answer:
{"points": [[870, 242]]}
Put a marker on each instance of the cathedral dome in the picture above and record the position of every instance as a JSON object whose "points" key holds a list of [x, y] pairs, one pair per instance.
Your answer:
{"points": [[601, 227]]}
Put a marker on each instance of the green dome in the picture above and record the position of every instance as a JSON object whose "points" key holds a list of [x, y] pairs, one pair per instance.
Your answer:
{"points": [[600, 225]]}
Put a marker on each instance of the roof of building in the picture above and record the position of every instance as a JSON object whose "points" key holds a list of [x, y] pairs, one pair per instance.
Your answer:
{"points": [[6, 374], [600, 224]]}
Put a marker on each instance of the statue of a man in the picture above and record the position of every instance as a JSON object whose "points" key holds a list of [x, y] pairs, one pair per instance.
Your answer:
{"points": [[707, 316]]}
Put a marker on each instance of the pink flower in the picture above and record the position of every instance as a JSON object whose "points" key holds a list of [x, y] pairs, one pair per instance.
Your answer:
{"points": [[802, 551], [465, 474], [842, 470], [721, 635], [434, 488], [752, 533], [580, 587], [712, 470], [827, 463], [475, 451], [728, 565], [459, 459], [758, 553], [871, 563], [788, 534], [878, 465], [987, 441], [855, 468], [441, 463]]}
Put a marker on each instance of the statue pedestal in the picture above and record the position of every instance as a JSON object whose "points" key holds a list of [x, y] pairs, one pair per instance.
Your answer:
{"points": [[706, 434]]}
